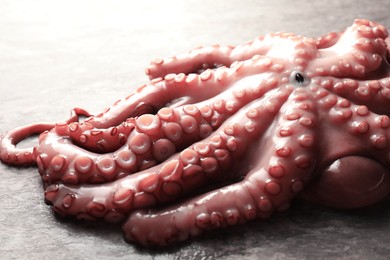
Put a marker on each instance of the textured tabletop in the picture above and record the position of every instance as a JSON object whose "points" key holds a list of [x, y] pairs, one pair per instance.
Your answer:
{"points": [[56, 55]]}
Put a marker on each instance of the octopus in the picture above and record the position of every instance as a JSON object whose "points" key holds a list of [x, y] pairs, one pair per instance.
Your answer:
{"points": [[223, 135]]}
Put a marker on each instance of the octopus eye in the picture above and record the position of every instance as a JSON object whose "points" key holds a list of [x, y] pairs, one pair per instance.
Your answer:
{"points": [[298, 78]]}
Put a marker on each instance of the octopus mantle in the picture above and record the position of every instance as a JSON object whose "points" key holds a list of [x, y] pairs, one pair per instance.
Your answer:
{"points": [[226, 134]]}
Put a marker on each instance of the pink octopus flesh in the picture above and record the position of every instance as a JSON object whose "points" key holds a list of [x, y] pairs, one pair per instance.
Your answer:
{"points": [[222, 135]]}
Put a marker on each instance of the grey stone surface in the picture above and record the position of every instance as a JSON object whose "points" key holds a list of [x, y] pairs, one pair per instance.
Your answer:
{"points": [[55, 55]]}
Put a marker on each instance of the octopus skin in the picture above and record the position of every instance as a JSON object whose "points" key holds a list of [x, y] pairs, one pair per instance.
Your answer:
{"points": [[223, 135]]}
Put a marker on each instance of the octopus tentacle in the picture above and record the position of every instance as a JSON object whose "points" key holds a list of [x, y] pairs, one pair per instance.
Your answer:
{"points": [[192, 218], [191, 62], [214, 56], [364, 127], [328, 40], [374, 94], [358, 52], [202, 163], [359, 177], [20, 156], [10, 154], [277, 177]]}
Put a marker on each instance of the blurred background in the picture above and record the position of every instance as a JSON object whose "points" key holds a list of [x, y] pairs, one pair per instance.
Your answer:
{"points": [[56, 55]]}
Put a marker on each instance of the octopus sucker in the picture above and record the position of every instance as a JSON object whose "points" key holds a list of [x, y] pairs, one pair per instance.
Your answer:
{"points": [[223, 135]]}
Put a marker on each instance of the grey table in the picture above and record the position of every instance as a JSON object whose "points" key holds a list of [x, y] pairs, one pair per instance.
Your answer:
{"points": [[56, 55]]}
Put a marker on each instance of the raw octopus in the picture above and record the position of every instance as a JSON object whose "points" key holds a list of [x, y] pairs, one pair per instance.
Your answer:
{"points": [[222, 135]]}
